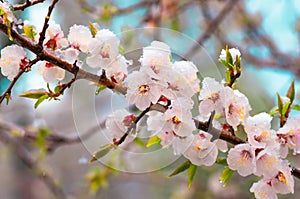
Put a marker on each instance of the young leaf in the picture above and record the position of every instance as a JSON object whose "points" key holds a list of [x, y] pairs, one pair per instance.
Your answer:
{"points": [[153, 140], [29, 31], [291, 92], [8, 98], [40, 141], [296, 107], [102, 152], [285, 107], [57, 89], [228, 76], [229, 59], [222, 161], [121, 49], [191, 174], [93, 29], [40, 100], [223, 62], [101, 88], [180, 169], [280, 104], [34, 94], [226, 175], [273, 111], [175, 25]]}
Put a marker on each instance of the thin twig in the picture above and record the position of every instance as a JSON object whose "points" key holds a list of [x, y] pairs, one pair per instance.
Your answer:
{"points": [[27, 4], [7, 93], [53, 140], [46, 25], [44, 55], [212, 26], [132, 126], [23, 154]]}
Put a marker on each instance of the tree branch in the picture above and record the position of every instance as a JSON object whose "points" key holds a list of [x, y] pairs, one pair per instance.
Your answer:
{"points": [[7, 93], [27, 4], [46, 25], [211, 27], [44, 55], [23, 154]]}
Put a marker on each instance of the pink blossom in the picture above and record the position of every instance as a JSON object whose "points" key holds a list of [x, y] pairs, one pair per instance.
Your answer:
{"points": [[242, 159], [142, 90], [236, 106]]}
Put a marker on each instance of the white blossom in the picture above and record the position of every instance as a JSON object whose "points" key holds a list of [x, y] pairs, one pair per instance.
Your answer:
{"points": [[233, 51], [104, 49], [12, 59], [242, 159], [142, 90], [50, 72], [236, 106], [80, 37], [118, 123]]}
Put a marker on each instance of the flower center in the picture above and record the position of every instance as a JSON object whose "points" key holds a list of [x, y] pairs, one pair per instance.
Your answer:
{"points": [[176, 120], [281, 177], [246, 154], [143, 90]]}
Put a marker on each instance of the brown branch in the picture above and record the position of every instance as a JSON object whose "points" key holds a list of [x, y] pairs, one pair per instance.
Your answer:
{"points": [[7, 93], [27, 4], [44, 55], [53, 140], [212, 26], [132, 126], [23, 154], [46, 25]]}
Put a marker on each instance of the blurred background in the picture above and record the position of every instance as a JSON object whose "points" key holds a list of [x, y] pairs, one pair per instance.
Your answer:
{"points": [[266, 32]]}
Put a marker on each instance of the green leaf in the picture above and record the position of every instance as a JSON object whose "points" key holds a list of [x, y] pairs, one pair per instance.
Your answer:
{"points": [[222, 161], [296, 107], [228, 76], [57, 89], [102, 152], [29, 31], [34, 94], [223, 62], [40, 100], [100, 88], [40, 141], [153, 140], [291, 92], [97, 177], [175, 25], [226, 175], [273, 111], [229, 58], [8, 98], [280, 104], [2, 12], [121, 49], [238, 63], [191, 174], [285, 107], [93, 29], [180, 169]]}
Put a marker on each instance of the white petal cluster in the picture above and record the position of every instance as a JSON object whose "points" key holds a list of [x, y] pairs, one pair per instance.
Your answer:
{"points": [[233, 51], [80, 37], [117, 124], [50, 72], [5, 7], [159, 77], [12, 58]]}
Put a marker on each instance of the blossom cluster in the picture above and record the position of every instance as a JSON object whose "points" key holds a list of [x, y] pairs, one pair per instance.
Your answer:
{"points": [[173, 84], [101, 49]]}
